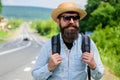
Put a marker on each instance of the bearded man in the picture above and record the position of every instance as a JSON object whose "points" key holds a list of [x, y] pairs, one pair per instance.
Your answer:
{"points": [[71, 63]]}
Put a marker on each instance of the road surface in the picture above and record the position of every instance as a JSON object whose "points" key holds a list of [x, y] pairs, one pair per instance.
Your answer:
{"points": [[18, 55]]}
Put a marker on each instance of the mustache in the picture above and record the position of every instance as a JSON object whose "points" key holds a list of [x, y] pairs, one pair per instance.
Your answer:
{"points": [[71, 25]]}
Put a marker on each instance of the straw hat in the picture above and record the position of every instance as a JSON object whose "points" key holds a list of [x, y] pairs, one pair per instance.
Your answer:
{"points": [[65, 7]]}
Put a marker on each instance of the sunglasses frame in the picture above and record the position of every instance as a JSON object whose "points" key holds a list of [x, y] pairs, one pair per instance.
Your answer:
{"points": [[68, 18]]}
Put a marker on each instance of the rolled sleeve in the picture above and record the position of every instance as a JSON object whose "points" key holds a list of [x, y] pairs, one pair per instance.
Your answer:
{"points": [[97, 73]]}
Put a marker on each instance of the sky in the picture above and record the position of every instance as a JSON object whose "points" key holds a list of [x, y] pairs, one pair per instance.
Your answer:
{"points": [[42, 3]]}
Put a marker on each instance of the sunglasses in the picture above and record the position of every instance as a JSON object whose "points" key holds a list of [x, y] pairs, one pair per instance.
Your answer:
{"points": [[68, 18]]}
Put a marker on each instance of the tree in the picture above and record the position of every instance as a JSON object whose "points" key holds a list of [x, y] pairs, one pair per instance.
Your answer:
{"points": [[90, 7], [117, 12], [0, 6], [102, 15], [95, 17]]}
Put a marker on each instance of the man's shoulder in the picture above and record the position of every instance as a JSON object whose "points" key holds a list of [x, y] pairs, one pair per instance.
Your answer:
{"points": [[46, 44]]}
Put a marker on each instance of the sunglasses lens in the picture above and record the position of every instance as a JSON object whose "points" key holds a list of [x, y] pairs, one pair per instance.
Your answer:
{"points": [[68, 18], [75, 17]]}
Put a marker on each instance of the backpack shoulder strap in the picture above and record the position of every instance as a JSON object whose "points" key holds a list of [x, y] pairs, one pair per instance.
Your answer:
{"points": [[55, 41], [85, 43], [86, 48]]}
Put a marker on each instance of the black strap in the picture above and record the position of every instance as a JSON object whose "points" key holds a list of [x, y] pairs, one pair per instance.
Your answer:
{"points": [[85, 43], [56, 44], [86, 48]]}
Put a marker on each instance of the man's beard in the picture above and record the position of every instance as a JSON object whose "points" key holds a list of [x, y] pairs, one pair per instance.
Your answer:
{"points": [[69, 35]]}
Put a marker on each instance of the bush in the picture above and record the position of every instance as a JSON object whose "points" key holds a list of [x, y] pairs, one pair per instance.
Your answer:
{"points": [[46, 28], [108, 42], [14, 23]]}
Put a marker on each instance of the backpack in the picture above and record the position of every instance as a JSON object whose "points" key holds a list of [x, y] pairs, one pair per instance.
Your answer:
{"points": [[85, 47]]}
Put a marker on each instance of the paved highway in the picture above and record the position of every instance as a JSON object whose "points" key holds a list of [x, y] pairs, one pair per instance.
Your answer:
{"points": [[18, 55]]}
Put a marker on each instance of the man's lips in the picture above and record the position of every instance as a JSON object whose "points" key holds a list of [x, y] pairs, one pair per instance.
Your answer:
{"points": [[71, 28]]}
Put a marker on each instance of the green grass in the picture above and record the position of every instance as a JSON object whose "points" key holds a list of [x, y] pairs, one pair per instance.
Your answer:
{"points": [[3, 35]]}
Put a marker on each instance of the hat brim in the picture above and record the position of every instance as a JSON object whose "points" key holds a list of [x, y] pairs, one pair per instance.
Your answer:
{"points": [[56, 12]]}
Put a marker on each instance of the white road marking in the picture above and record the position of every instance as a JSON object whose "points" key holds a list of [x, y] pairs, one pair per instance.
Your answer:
{"points": [[27, 69], [33, 62], [16, 79], [16, 49]]}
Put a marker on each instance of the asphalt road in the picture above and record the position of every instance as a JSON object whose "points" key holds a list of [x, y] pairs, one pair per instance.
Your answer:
{"points": [[18, 55]]}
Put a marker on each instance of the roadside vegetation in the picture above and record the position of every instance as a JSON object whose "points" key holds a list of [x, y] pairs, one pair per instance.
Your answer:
{"points": [[46, 28], [10, 26], [3, 35], [108, 43], [13, 24]]}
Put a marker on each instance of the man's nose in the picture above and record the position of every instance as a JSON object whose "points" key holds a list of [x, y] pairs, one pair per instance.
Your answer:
{"points": [[71, 20]]}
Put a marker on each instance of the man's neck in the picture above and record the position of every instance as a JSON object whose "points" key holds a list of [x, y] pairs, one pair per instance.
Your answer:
{"points": [[69, 45]]}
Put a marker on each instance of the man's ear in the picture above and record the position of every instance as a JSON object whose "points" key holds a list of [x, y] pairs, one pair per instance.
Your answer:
{"points": [[58, 21]]}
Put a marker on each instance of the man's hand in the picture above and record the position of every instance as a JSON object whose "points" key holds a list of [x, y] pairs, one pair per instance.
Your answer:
{"points": [[54, 61], [89, 59]]}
